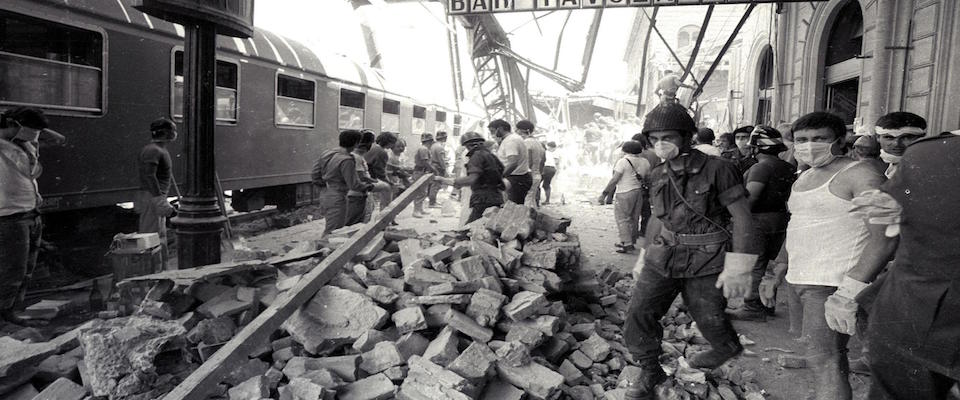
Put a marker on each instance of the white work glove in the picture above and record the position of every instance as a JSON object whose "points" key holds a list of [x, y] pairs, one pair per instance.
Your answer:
{"points": [[735, 277], [840, 310], [163, 206], [769, 283], [879, 208], [638, 266], [381, 186]]}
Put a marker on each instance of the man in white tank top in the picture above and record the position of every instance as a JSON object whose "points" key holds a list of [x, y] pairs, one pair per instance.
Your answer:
{"points": [[824, 242]]}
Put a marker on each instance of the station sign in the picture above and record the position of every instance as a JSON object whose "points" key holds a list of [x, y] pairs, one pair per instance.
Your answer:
{"points": [[461, 7], [232, 17]]}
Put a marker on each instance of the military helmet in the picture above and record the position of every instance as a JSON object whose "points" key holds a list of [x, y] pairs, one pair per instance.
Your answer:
{"points": [[470, 137]]}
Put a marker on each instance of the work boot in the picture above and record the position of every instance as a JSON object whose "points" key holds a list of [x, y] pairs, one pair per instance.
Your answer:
{"points": [[752, 310], [716, 356], [643, 387]]}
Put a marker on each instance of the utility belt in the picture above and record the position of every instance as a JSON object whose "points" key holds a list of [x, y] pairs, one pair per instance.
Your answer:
{"points": [[20, 216], [689, 239]]}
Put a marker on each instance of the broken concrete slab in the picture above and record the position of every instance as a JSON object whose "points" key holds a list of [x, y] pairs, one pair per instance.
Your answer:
{"points": [[381, 294], [344, 366], [469, 269], [370, 338], [435, 253], [458, 299], [468, 326], [333, 316], [303, 389], [373, 248], [62, 389], [500, 390], [485, 306], [409, 319], [475, 363], [383, 356], [535, 379], [595, 347], [524, 304], [514, 353], [17, 355], [409, 251], [452, 288], [376, 387], [255, 388], [443, 349], [212, 331]]}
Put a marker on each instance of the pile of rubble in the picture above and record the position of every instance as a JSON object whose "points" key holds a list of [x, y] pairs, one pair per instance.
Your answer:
{"points": [[502, 309]]}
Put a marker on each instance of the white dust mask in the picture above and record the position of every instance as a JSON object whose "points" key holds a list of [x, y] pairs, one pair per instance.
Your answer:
{"points": [[814, 154], [666, 150], [889, 158]]}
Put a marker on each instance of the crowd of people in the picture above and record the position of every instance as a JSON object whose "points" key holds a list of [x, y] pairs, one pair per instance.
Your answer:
{"points": [[861, 235]]}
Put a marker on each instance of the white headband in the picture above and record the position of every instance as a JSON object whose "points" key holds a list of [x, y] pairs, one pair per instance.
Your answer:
{"points": [[900, 131]]}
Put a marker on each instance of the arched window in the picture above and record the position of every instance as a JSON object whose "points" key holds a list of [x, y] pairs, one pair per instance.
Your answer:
{"points": [[687, 35], [842, 68], [765, 87]]}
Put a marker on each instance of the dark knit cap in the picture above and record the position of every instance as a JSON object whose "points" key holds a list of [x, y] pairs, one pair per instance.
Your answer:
{"points": [[632, 147], [669, 117]]}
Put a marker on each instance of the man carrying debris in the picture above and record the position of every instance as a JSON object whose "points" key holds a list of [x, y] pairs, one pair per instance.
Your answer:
{"points": [[336, 173], [421, 167], [515, 158], [695, 201], [155, 173], [536, 156], [438, 159], [22, 130], [484, 176]]}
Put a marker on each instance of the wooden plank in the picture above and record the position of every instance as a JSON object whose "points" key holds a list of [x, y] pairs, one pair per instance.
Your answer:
{"points": [[205, 379]]}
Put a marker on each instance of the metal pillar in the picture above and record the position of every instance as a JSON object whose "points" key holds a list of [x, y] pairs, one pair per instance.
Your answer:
{"points": [[199, 221]]}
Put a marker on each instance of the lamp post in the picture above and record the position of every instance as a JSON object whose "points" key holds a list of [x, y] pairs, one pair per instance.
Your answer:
{"points": [[199, 221]]}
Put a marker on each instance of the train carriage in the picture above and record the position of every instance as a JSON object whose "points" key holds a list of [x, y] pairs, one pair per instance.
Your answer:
{"points": [[103, 70]]}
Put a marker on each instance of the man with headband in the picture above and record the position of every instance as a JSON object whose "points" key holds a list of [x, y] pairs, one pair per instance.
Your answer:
{"points": [[896, 131]]}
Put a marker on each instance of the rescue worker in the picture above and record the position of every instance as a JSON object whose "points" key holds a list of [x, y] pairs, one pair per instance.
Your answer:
{"points": [[895, 131], [914, 322], [484, 176], [358, 208], [377, 159], [744, 157], [696, 246], [438, 160], [155, 171], [768, 187], [537, 155], [336, 173], [515, 158], [421, 167], [668, 86], [825, 244], [22, 131]]}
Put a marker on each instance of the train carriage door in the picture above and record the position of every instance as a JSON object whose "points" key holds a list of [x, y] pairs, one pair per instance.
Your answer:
{"points": [[352, 106], [842, 66]]}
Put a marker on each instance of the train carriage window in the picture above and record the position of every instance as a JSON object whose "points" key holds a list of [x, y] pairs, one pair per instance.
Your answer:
{"points": [[441, 119], [390, 118], [295, 98], [457, 124], [419, 119], [351, 109], [226, 89], [51, 65]]}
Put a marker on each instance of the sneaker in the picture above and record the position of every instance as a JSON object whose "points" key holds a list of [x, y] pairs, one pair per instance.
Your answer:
{"points": [[643, 388], [716, 356]]}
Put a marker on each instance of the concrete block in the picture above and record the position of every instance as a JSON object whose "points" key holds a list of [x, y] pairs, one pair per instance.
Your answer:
{"points": [[475, 363], [324, 377], [212, 331], [242, 371], [469, 269], [595, 347], [500, 390], [273, 377], [397, 373], [226, 303], [452, 288], [425, 371], [384, 355], [514, 353], [571, 374], [466, 325], [436, 253], [409, 319], [458, 299], [58, 366], [255, 388], [370, 338], [580, 359], [303, 389], [529, 336], [23, 392], [332, 317], [409, 251], [381, 294], [413, 389], [539, 255], [375, 387], [524, 305], [344, 366], [383, 258], [435, 314], [372, 249], [492, 283], [412, 344], [419, 275], [580, 392], [537, 380], [62, 389], [443, 349], [485, 306]]}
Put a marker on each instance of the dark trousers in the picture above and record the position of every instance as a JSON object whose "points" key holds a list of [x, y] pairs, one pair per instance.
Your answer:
{"points": [[333, 204], [481, 200], [548, 174], [19, 246], [356, 206], [519, 187], [770, 229], [895, 377], [646, 211], [651, 299]]}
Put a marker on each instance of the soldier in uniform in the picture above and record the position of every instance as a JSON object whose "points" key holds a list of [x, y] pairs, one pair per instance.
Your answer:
{"points": [[483, 176], [696, 246], [336, 173]]}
